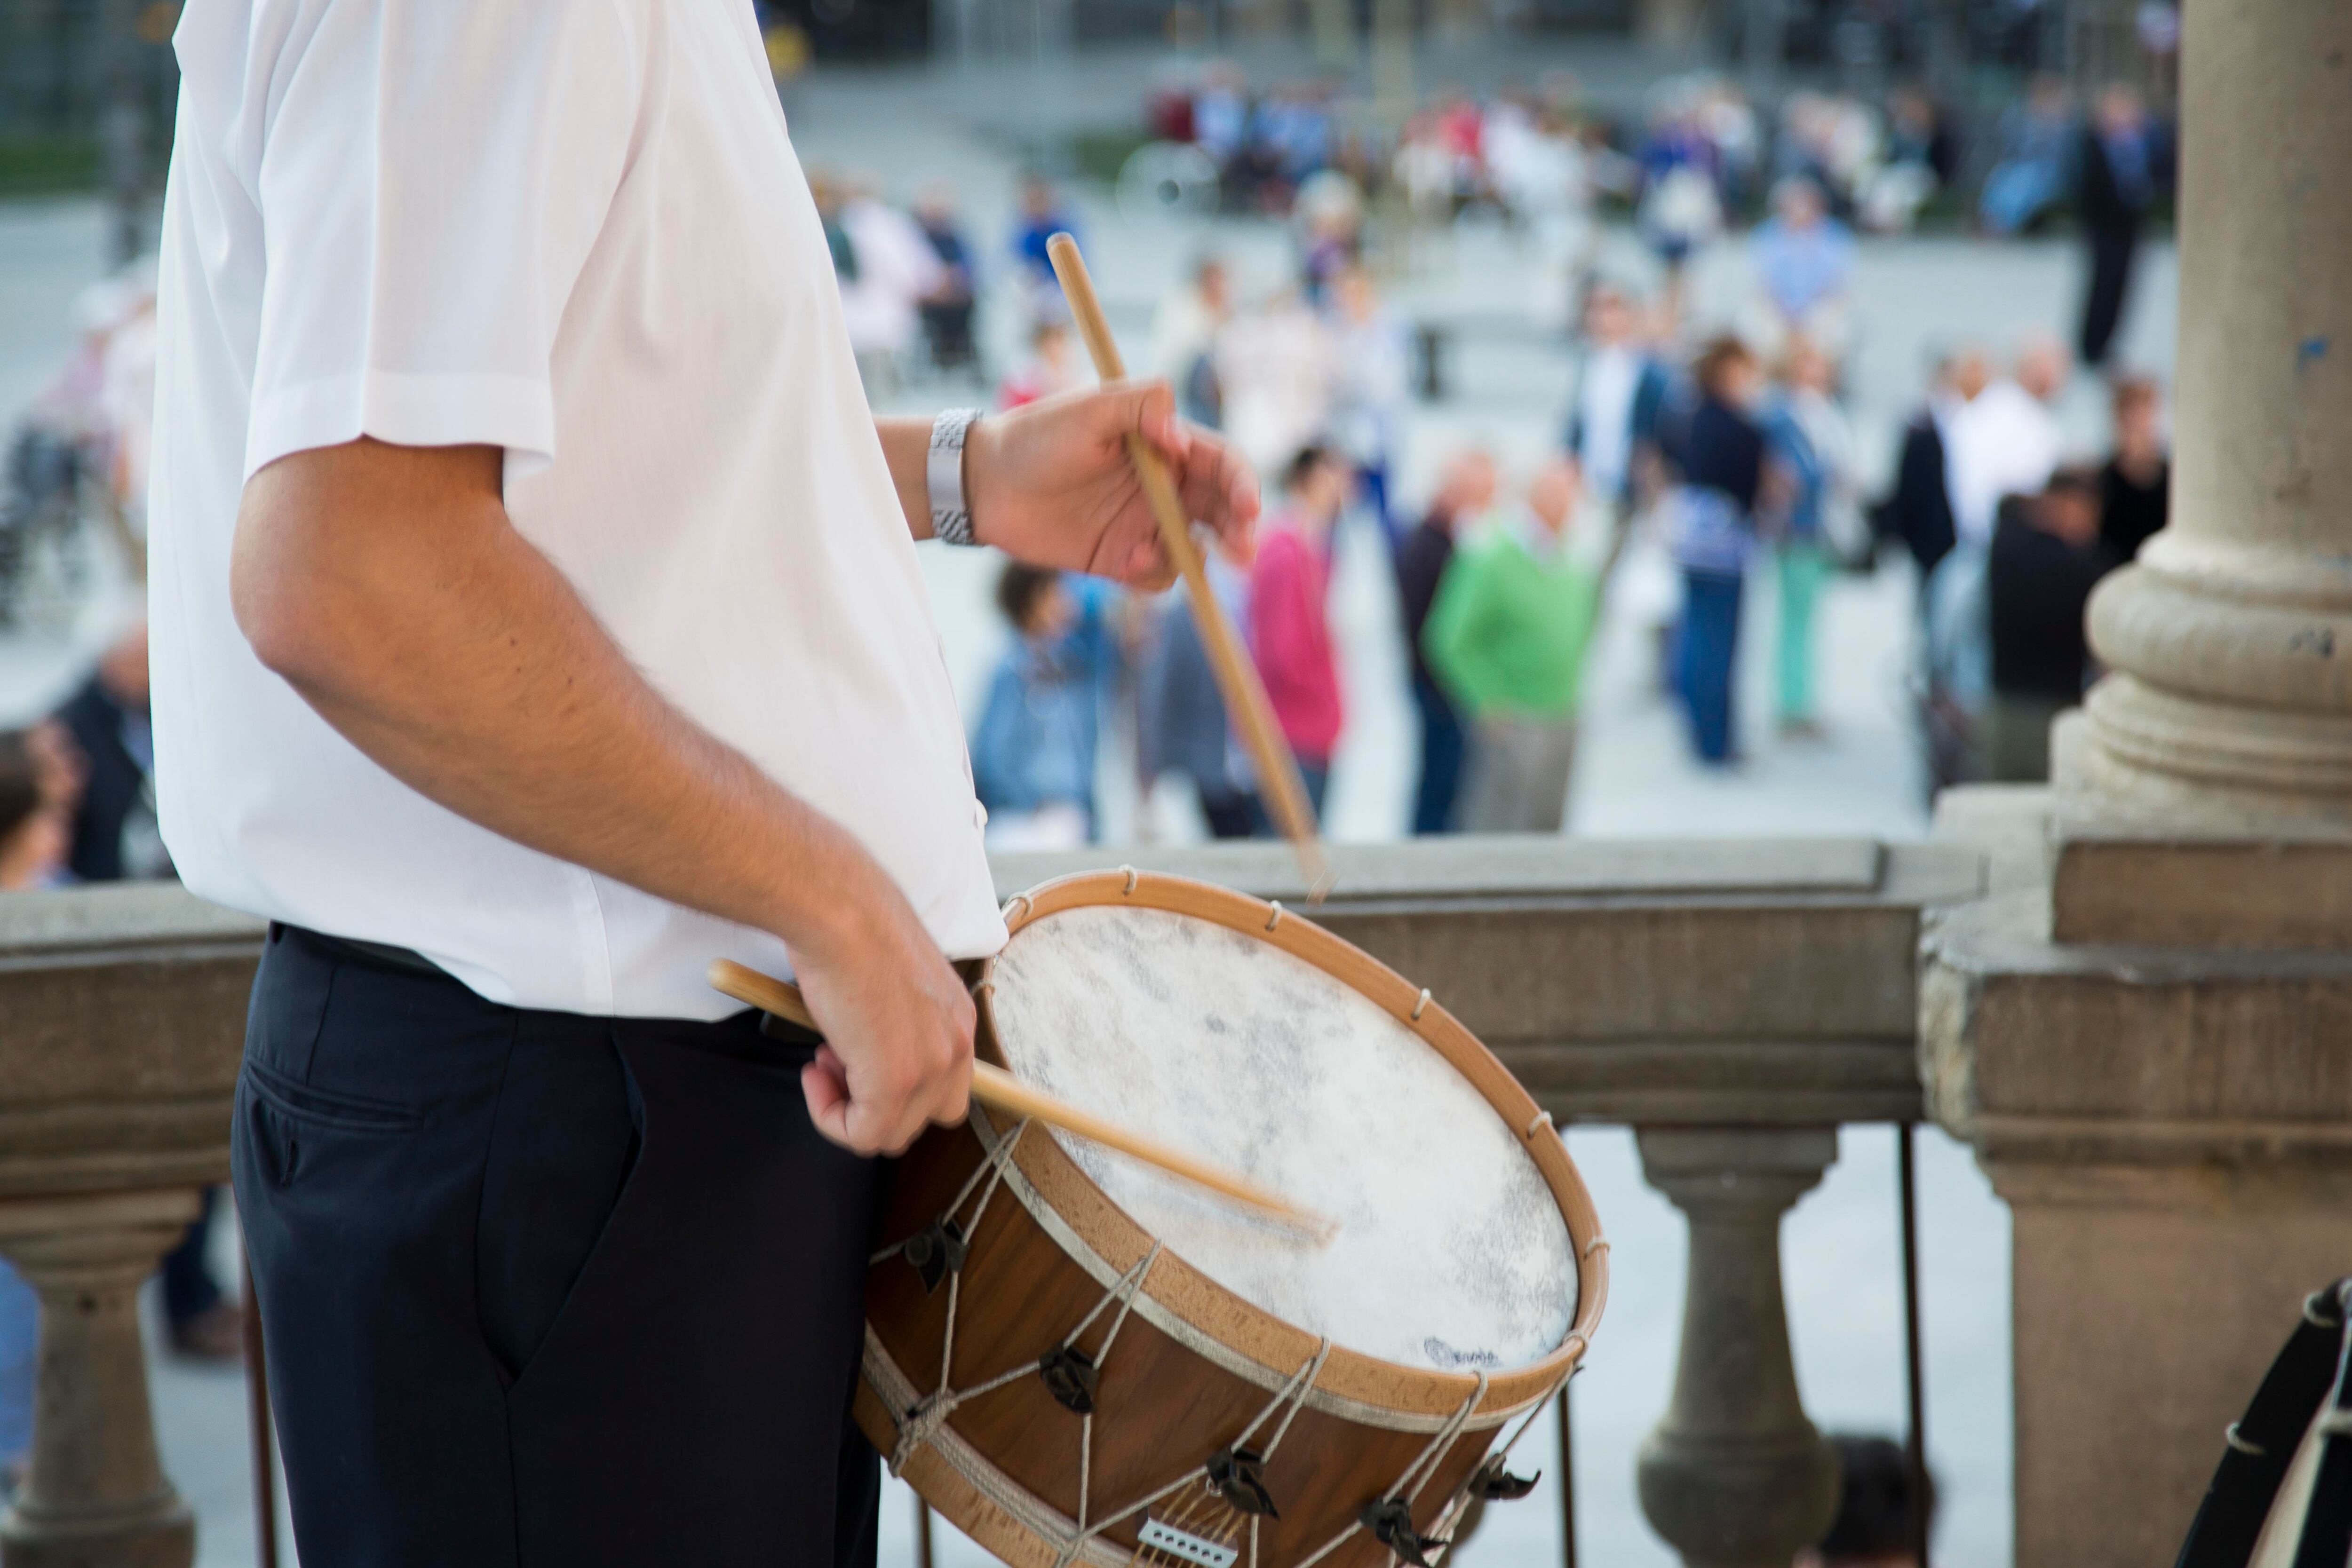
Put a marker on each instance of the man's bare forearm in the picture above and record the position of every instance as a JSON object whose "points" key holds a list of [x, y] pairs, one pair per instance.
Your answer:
{"points": [[388, 586], [906, 447]]}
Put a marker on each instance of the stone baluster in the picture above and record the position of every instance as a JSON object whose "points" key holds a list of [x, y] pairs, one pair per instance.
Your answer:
{"points": [[1735, 1476], [96, 1496]]}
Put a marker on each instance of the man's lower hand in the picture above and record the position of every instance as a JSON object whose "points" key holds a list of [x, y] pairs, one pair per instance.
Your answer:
{"points": [[897, 1024]]}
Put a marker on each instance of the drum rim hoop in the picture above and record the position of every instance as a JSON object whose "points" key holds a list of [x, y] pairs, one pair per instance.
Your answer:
{"points": [[1212, 1310]]}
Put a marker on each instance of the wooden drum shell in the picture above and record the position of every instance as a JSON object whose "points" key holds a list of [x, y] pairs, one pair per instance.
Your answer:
{"points": [[1193, 1364]]}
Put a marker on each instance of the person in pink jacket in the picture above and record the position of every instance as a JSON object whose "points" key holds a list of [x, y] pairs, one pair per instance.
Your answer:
{"points": [[1289, 628]]}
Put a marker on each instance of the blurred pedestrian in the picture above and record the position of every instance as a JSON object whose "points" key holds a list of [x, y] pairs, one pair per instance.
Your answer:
{"points": [[948, 308], [1181, 725], [881, 301], [1804, 261], [1033, 752], [1279, 374], [1874, 1527], [1051, 369], [1370, 382], [1681, 206], [1463, 494], [2120, 174], [1328, 217], [1819, 524], [1290, 620], [1620, 396], [2006, 441], [1713, 535], [1184, 339], [1923, 157], [40, 784], [1041, 216], [2036, 137], [2046, 557], [2136, 486], [1508, 639], [115, 835], [1917, 511]]}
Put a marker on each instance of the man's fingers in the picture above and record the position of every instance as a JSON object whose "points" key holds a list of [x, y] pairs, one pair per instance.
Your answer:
{"points": [[1149, 408], [828, 1101], [1220, 490]]}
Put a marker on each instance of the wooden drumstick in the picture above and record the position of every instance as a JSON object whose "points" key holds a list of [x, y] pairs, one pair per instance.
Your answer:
{"points": [[1000, 1090], [1237, 678]]}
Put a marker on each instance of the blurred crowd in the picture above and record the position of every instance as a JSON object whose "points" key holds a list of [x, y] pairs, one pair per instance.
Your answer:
{"points": [[1701, 466]]}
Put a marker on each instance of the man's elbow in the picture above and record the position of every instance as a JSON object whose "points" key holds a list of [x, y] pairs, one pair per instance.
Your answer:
{"points": [[286, 621]]}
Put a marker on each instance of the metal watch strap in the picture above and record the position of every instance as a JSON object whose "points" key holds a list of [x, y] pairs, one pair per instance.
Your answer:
{"points": [[943, 476]]}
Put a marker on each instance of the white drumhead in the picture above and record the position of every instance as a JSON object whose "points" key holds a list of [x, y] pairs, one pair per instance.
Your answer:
{"points": [[1451, 1253]]}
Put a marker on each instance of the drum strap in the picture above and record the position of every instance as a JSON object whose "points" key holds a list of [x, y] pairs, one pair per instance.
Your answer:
{"points": [[2311, 1369]]}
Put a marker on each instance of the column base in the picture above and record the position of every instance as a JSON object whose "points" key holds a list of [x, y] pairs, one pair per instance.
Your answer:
{"points": [[2253, 852], [2172, 1131]]}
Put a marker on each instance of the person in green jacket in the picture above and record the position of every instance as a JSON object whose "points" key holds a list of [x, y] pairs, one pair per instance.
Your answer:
{"points": [[1507, 638]]}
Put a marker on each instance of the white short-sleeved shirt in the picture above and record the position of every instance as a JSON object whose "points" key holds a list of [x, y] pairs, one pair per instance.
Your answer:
{"points": [[575, 229]]}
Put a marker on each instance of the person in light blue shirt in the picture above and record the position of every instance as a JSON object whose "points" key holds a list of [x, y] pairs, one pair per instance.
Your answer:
{"points": [[1803, 257], [1033, 752]]}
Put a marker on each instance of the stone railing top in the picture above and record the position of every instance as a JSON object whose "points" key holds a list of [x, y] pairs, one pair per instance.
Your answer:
{"points": [[38, 927], [1464, 866], [1745, 981]]}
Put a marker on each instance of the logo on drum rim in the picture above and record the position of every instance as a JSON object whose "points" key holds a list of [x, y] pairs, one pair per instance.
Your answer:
{"points": [[1189, 1547]]}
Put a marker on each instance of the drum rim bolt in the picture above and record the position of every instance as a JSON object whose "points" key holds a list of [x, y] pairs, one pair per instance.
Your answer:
{"points": [[1273, 919], [1129, 891], [1420, 1004]]}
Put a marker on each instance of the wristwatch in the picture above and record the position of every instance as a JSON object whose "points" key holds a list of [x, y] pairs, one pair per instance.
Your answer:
{"points": [[943, 476]]}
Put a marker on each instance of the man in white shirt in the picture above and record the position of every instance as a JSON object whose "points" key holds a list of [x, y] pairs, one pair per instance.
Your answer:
{"points": [[536, 618], [2006, 441]]}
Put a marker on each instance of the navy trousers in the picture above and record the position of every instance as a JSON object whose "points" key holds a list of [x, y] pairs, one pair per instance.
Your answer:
{"points": [[1443, 746], [547, 1289], [1707, 658]]}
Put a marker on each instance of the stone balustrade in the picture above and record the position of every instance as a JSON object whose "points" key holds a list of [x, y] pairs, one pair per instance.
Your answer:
{"points": [[1735, 1002]]}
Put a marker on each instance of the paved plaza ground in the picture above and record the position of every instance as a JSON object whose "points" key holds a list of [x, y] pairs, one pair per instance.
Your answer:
{"points": [[1633, 778]]}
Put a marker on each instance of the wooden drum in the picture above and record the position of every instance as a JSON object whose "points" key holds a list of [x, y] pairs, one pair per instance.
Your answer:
{"points": [[1076, 1360]]}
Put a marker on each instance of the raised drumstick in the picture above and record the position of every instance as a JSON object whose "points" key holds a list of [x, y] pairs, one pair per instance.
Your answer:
{"points": [[1237, 678], [1000, 1090]]}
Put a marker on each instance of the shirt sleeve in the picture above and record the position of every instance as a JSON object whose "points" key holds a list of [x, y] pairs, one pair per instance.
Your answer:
{"points": [[430, 182]]}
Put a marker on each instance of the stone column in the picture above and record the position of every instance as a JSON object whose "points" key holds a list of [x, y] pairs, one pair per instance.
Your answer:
{"points": [[96, 1496], [2150, 1045], [2230, 711], [1735, 1476]]}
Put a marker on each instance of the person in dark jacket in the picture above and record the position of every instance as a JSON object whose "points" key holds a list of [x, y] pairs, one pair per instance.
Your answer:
{"points": [[115, 838], [1723, 463], [1467, 490], [1917, 512], [2121, 172], [2046, 557], [946, 312], [2136, 486]]}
